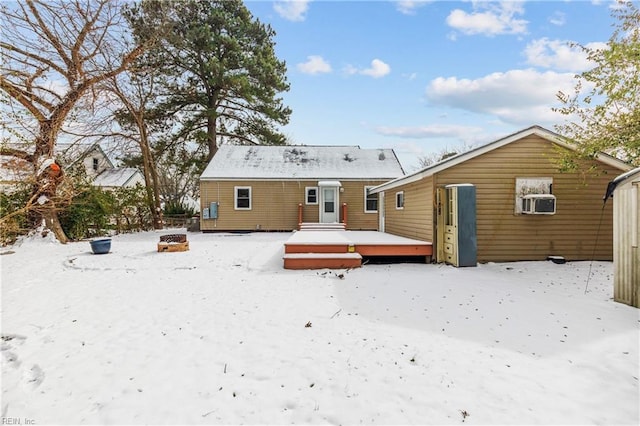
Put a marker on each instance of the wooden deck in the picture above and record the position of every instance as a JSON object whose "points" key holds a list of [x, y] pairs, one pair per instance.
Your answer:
{"points": [[335, 249]]}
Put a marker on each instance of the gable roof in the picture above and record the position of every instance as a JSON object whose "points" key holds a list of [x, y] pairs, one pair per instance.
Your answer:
{"points": [[302, 162], [72, 153], [465, 156], [118, 177]]}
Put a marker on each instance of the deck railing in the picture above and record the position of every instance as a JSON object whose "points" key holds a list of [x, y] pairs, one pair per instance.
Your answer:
{"points": [[344, 215]]}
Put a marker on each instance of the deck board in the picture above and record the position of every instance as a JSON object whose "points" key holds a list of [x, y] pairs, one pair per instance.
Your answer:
{"points": [[365, 243]]}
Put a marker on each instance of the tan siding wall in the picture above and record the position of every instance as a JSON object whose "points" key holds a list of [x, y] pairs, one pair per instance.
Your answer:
{"points": [[275, 205], [505, 236], [353, 195], [416, 219]]}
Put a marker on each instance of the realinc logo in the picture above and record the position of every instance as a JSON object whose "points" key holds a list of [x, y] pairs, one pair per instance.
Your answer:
{"points": [[17, 421]]}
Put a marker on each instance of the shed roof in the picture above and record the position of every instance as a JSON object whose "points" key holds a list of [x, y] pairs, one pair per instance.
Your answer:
{"points": [[302, 162], [631, 174], [118, 177], [465, 156], [621, 179]]}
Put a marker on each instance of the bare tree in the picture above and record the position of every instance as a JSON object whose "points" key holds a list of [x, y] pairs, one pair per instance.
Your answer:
{"points": [[53, 56], [135, 92], [444, 153]]}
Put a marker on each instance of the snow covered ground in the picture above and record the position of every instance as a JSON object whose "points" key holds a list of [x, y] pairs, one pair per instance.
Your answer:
{"points": [[222, 334]]}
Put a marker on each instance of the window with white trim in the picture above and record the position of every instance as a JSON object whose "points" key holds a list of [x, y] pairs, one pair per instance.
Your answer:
{"points": [[242, 197], [526, 186], [370, 201], [311, 195], [400, 200]]}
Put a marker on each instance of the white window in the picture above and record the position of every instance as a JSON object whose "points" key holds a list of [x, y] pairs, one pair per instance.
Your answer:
{"points": [[311, 196], [526, 187], [95, 164], [242, 198], [370, 201], [400, 200]]}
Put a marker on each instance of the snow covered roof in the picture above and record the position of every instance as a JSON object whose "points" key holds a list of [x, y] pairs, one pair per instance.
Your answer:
{"points": [[302, 162], [118, 177]]}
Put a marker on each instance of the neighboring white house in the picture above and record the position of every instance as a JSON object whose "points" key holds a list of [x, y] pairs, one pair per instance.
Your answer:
{"points": [[625, 190], [120, 177], [90, 158]]}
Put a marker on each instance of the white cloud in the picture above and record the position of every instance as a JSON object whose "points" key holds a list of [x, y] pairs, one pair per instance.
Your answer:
{"points": [[314, 65], [616, 4], [489, 19], [558, 18], [559, 54], [409, 7], [429, 132], [292, 10], [516, 96], [377, 69]]}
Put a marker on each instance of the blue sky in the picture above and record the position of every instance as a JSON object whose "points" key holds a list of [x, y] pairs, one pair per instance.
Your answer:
{"points": [[422, 77]]}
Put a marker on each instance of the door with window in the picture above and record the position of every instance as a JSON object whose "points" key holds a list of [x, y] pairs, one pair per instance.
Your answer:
{"points": [[329, 204]]}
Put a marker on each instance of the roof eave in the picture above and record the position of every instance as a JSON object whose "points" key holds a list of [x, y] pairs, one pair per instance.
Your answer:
{"points": [[312, 178], [465, 156]]}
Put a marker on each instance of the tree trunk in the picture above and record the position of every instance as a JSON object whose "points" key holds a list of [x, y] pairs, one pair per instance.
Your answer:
{"points": [[212, 129], [50, 216], [150, 174]]}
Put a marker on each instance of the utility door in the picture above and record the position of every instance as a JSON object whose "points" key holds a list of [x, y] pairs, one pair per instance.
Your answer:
{"points": [[329, 204], [456, 223], [441, 211]]}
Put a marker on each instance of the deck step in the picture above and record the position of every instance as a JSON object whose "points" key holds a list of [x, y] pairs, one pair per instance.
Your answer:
{"points": [[311, 226], [322, 260]]}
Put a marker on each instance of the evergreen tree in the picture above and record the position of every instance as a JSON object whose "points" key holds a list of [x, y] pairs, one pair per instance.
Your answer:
{"points": [[222, 77]]}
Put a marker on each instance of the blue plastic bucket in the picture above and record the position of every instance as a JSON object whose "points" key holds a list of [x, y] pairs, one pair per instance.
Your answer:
{"points": [[101, 246]]}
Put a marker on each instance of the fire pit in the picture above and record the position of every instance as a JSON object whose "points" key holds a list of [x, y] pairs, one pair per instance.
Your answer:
{"points": [[173, 242]]}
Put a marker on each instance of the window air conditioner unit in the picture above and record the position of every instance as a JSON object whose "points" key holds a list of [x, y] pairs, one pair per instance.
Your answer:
{"points": [[539, 204]]}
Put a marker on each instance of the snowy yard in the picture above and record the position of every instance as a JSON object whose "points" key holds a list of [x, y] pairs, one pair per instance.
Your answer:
{"points": [[222, 334]]}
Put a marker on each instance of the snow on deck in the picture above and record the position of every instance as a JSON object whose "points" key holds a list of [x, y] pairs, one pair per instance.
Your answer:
{"points": [[351, 237]]}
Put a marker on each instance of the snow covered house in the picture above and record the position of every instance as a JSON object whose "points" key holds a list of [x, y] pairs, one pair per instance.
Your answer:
{"points": [[90, 159], [519, 206], [119, 177], [278, 188], [625, 190]]}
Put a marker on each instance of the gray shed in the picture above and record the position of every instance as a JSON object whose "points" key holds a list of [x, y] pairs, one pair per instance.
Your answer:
{"points": [[625, 190]]}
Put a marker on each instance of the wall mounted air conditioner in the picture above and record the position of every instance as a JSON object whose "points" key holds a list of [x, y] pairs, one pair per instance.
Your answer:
{"points": [[539, 204]]}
